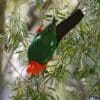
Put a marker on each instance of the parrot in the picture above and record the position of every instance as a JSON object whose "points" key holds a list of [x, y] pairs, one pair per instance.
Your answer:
{"points": [[47, 40]]}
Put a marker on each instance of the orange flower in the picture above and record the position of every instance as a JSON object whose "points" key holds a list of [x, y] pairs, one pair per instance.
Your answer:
{"points": [[34, 68]]}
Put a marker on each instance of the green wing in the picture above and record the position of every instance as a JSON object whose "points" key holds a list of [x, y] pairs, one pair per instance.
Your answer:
{"points": [[43, 45]]}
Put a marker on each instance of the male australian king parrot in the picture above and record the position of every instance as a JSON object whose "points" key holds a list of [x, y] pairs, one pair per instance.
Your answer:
{"points": [[46, 41]]}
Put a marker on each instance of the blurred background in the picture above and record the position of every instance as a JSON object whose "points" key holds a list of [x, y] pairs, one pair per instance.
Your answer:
{"points": [[73, 73]]}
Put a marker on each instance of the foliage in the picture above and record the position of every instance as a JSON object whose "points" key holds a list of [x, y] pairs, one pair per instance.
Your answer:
{"points": [[77, 57]]}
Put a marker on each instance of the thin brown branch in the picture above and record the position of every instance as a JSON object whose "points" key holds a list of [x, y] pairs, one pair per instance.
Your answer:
{"points": [[8, 60], [16, 71]]}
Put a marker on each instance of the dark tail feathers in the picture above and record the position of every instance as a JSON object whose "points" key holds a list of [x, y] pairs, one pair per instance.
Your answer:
{"points": [[65, 26]]}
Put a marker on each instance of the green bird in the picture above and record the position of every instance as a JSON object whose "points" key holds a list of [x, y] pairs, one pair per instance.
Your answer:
{"points": [[43, 45], [45, 42]]}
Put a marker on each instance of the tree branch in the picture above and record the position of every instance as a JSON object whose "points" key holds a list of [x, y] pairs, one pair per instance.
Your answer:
{"points": [[2, 22]]}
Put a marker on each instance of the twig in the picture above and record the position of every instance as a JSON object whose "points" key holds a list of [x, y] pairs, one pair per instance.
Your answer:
{"points": [[14, 67], [16, 70]]}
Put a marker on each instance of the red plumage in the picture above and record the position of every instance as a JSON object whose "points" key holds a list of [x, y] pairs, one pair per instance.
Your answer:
{"points": [[34, 68], [39, 29]]}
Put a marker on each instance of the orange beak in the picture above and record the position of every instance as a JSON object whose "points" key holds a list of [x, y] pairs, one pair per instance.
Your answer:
{"points": [[34, 68]]}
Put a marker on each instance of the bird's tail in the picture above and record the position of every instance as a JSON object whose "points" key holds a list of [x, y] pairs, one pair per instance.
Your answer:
{"points": [[65, 26]]}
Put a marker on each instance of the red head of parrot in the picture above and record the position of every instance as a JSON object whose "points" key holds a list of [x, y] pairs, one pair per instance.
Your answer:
{"points": [[34, 68]]}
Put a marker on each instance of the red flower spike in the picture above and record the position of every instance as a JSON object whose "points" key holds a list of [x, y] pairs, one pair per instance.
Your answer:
{"points": [[40, 28], [34, 68]]}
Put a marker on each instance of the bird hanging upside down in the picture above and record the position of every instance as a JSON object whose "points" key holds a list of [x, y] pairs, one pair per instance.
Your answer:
{"points": [[46, 41]]}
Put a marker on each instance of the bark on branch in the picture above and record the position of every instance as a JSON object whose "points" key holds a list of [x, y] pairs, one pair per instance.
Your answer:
{"points": [[2, 22]]}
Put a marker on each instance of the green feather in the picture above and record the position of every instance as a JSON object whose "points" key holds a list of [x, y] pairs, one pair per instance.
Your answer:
{"points": [[43, 45]]}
